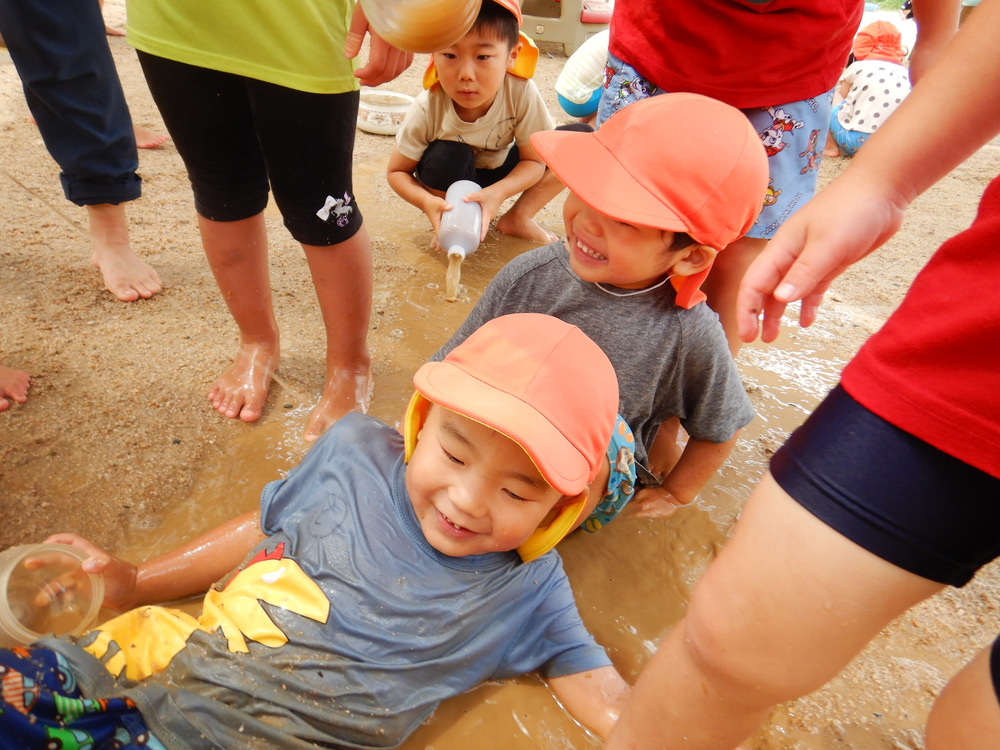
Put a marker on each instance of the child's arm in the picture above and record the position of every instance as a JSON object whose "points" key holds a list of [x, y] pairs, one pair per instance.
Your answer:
{"points": [[594, 698], [527, 172], [190, 569], [698, 463], [947, 117], [399, 175]]}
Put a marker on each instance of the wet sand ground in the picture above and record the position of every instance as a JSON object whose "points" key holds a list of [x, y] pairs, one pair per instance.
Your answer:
{"points": [[118, 442]]}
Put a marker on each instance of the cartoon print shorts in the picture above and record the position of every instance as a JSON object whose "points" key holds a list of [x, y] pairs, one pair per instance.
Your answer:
{"points": [[42, 708], [793, 135], [621, 481]]}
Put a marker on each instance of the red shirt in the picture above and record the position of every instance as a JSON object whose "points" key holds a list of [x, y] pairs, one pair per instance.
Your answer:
{"points": [[744, 53], [934, 367]]}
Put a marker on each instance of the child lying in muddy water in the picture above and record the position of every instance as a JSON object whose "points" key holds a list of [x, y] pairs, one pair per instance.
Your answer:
{"points": [[655, 194], [371, 584]]}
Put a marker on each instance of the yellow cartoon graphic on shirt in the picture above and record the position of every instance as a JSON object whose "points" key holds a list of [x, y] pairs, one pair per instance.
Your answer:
{"points": [[148, 638]]}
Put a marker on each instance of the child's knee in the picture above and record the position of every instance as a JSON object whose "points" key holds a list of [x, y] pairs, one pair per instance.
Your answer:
{"points": [[736, 657]]}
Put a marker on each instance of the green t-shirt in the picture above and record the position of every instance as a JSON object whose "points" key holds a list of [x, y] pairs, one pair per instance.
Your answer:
{"points": [[298, 44]]}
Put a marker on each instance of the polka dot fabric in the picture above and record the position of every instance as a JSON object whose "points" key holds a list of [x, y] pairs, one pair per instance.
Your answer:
{"points": [[876, 89]]}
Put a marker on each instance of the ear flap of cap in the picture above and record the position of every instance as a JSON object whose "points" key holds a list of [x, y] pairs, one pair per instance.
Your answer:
{"points": [[527, 57], [688, 288], [431, 74], [545, 538], [416, 414], [523, 67]]}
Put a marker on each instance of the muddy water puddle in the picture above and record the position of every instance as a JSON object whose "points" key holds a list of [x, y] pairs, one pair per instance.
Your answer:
{"points": [[632, 580]]}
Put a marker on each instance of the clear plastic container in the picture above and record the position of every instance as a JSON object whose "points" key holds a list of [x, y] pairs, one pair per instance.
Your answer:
{"points": [[51, 594], [421, 25], [459, 232]]}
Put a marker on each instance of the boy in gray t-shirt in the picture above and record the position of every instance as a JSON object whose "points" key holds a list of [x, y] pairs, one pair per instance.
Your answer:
{"points": [[655, 194]]}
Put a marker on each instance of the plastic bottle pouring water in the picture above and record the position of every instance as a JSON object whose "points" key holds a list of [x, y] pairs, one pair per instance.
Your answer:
{"points": [[459, 232]]}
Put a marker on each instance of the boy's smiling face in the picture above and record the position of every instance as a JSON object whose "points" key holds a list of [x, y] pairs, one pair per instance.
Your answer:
{"points": [[472, 70], [474, 490], [607, 251]]}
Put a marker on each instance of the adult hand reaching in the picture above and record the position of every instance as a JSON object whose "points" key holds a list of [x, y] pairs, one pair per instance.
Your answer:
{"points": [[842, 224], [385, 62]]}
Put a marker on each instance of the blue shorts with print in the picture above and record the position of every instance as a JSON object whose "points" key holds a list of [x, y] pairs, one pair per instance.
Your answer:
{"points": [[849, 141], [793, 135], [621, 479]]}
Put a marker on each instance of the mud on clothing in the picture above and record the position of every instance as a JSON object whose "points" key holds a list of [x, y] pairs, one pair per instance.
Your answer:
{"points": [[344, 628]]}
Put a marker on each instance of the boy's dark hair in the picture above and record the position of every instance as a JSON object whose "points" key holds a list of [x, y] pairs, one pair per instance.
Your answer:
{"points": [[496, 21], [681, 241]]}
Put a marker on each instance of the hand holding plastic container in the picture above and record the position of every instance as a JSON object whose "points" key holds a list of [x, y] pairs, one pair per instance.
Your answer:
{"points": [[43, 590], [459, 232]]}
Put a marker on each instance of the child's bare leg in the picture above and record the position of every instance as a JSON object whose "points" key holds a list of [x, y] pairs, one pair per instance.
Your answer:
{"points": [[831, 149], [723, 284], [125, 275], [14, 386], [237, 255], [784, 583], [148, 139], [342, 275], [519, 221], [966, 714]]}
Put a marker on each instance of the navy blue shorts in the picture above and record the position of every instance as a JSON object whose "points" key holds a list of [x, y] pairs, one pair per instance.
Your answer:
{"points": [[995, 666], [891, 493], [238, 136]]}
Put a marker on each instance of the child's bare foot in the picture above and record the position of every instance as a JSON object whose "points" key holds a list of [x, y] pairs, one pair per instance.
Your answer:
{"points": [[831, 151], [148, 139], [345, 391], [126, 276], [528, 229], [14, 385], [112, 31], [241, 391]]}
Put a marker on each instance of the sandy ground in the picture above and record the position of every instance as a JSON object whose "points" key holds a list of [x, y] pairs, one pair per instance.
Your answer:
{"points": [[117, 435]]}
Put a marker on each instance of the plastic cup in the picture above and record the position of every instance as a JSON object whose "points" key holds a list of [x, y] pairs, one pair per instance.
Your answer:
{"points": [[55, 596]]}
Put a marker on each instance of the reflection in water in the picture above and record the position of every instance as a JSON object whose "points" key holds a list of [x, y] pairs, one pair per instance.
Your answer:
{"points": [[632, 580]]}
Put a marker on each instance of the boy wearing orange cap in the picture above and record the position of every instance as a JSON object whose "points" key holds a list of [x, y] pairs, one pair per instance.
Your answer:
{"points": [[474, 122], [870, 90], [655, 193], [366, 589]]}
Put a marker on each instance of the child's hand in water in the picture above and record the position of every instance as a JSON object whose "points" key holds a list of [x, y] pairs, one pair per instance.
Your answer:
{"points": [[654, 502], [119, 576]]}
